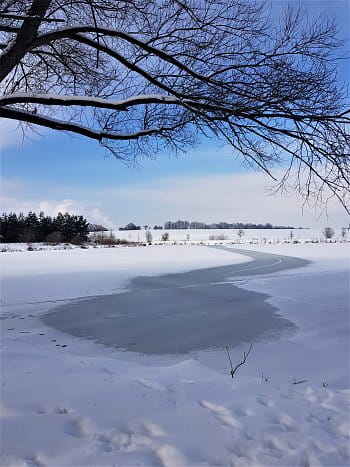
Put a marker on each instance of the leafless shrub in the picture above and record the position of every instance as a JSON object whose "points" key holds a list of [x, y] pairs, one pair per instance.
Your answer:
{"points": [[240, 234], [218, 237], [328, 233], [165, 236], [240, 363], [148, 236], [108, 239]]}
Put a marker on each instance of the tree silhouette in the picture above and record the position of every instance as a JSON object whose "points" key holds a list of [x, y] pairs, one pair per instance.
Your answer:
{"points": [[141, 76]]}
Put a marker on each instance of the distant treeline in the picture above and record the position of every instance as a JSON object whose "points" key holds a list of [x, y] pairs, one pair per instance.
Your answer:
{"points": [[220, 225], [40, 228], [170, 225]]}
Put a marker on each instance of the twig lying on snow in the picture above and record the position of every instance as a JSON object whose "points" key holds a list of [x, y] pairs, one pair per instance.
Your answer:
{"points": [[299, 382], [245, 356]]}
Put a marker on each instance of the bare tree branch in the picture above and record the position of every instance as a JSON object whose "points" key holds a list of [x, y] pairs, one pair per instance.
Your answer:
{"points": [[56, 124]]}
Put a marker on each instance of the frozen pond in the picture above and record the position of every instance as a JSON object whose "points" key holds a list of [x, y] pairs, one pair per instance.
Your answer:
{"points": [[179, 313]]}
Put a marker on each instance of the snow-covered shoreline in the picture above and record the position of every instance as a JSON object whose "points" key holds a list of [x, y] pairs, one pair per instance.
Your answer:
{"points": [[137, 238], [70, 402]]}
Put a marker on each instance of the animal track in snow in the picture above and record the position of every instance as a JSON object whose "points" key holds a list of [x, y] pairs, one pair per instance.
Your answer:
{"points": [[153, 429], [168, 455], [114, 440], [284, 420], [147, 383], [37, 460], [79, 427], [220, 413], [262, 400], [276, 446]]}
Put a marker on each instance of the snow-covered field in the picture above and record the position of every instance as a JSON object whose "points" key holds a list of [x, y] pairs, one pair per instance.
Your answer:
{"points": [[198, 236], [255, 236], [68, 402]]}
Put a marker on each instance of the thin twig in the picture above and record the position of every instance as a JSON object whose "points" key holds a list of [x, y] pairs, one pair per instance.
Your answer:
{"points": [[242, 362], [230, 361], [299, 382]]}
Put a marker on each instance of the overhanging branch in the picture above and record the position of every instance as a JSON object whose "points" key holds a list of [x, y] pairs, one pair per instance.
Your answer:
{"points": [[122, 105], [55, 124]]}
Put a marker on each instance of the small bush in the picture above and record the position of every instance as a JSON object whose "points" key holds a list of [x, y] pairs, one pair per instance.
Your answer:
{"points": [[149, 237], [102, 238], [165, 237], [218, 237], [328, 233]]}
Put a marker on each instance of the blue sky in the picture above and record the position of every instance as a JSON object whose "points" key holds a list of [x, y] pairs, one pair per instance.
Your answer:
{"points": [[57, 172]]}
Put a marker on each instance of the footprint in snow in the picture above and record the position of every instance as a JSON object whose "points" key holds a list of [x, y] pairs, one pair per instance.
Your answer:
{"points": [[264, 401], [37, 460], [220, 413], [79, 427], [275, 446], [284, 420], [154, 430], [147, 383]]}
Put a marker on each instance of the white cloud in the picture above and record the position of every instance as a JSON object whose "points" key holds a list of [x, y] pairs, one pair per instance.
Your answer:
{"points": [[98, 217], [232, 197], [229, 197], [52, 207]]}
